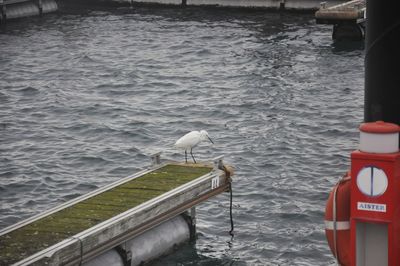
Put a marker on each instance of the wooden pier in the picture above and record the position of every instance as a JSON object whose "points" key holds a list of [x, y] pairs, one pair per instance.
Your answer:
{"points": [[83, 228], [347, 19]]}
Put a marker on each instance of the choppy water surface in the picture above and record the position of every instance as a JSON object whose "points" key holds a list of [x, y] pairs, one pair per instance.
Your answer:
{"points": [[85, 96]]}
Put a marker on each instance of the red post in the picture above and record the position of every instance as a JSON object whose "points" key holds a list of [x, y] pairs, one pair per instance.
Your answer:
{"points": [[375, 196]]}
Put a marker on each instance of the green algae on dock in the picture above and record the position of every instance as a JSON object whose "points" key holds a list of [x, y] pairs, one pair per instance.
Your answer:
{"points": [[40, 234]]}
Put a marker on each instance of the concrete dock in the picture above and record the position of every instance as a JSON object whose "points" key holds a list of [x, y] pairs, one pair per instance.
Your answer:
{"points": [[11, 9], [86, 227], [265, 4]]}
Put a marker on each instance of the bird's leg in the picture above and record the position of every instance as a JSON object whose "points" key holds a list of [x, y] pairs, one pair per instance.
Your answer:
{"points": [[192, 155], [185, 156]]}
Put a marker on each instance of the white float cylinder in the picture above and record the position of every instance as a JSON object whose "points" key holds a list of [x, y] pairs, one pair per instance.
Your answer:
{"points": [[150, 245], [158, 241], [111, 258], [379, 137], [30, 8]]}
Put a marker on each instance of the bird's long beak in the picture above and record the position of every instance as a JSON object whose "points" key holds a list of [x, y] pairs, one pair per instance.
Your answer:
{"points": [[210, 139]]}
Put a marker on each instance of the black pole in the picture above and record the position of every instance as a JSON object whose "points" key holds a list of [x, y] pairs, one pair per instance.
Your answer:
{"points": [[382, 62]]}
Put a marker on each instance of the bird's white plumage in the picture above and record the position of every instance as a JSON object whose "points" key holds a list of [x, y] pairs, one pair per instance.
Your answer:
{"points": [[191, 139]]}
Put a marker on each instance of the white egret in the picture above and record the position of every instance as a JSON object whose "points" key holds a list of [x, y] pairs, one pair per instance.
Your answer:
{"points": [[190, 140]]}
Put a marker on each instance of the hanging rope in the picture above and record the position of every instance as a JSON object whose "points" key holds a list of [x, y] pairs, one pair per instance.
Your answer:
{"points": [[228, 176], [230, 208]]}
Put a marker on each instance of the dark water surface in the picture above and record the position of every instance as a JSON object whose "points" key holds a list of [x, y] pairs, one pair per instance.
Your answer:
{"points": [[86, 95]]}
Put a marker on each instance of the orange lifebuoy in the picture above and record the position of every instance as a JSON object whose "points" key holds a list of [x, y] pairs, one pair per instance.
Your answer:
{"points": [[337, 220]]}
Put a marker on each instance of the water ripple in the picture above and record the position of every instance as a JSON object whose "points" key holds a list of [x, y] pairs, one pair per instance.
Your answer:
{"points": [[86, 95]]}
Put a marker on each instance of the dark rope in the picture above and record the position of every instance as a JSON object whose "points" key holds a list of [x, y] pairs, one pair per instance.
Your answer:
{"points": [[230, 208], [228, 176]]}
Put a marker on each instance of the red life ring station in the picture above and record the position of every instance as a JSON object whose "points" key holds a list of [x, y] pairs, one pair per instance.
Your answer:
{"points": [[375, 196], [362, 216]]}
